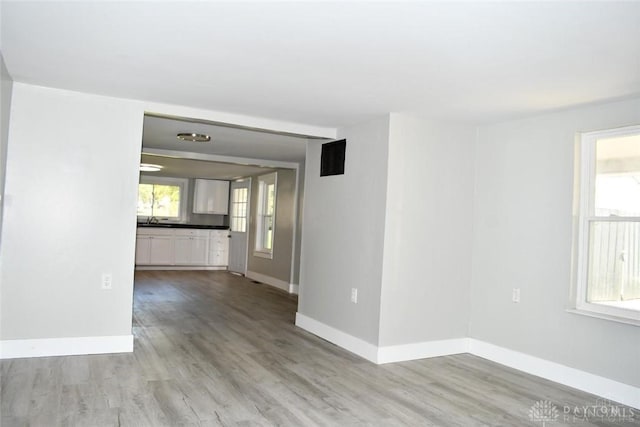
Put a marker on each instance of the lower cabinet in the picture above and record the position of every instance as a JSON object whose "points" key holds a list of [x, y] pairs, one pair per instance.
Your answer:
{"points": [[154, 248], [191, 247], [219, 247], [161, 250], [142, 249], [182, 247], [191, 250]]}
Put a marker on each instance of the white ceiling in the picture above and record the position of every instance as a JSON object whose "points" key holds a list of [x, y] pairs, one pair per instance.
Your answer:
{"points": [[187, 168], [333, 63], [160, 133]]}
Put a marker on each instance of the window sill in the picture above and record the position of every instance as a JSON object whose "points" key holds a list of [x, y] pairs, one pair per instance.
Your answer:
{"points": [[604, 316], [268, 255]]}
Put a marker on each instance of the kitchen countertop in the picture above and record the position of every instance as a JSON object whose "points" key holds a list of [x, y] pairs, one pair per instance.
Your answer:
{"points": [[166, 225]]}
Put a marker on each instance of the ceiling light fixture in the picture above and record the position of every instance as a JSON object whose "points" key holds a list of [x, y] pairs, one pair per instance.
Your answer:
{"points": [[194, 137], [148, 167]]}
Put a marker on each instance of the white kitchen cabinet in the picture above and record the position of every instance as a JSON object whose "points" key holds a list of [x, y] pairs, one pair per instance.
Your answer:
{"points": [[211, 197], [191, 247], [143, 249], [154, 247], [161, 250], [182, 247], [197, 248], [199, 251], [219, 247]]}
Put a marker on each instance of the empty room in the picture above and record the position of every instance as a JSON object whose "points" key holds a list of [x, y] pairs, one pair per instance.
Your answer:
{"points": [[319, 213]]}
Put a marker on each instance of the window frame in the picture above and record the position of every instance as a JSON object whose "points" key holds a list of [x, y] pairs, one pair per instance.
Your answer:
{"points": [[263, 182], [586, 216], [233, 204], [183, 183]]}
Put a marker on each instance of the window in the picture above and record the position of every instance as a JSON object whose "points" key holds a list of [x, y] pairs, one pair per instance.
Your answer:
{"points": [[609, 231], [266, 215], [239, 204], [162, 198]]}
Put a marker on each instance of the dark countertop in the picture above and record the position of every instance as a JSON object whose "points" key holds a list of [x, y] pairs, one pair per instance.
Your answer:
{"points": [[165, 225]]}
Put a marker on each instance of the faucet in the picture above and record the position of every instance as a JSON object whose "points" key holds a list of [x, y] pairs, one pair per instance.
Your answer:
{"points": [[152, 220]]}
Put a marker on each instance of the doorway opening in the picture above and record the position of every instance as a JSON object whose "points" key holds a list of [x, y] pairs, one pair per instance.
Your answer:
{"points": [[198, 206]]}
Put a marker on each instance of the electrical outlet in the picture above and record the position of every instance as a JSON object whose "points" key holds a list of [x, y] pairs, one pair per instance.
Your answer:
{"points": [[106, 281], [354, 295], [515, 295]]}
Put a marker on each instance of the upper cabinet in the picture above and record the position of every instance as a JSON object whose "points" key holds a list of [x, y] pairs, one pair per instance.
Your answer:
{"points": [[211, 197]]}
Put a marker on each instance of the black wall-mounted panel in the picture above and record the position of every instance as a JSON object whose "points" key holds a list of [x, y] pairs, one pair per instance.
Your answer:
{"points": [[332, 158]]}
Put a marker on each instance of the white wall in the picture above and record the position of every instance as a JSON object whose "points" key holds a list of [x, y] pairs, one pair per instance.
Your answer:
{"points": [[523, 239], [6, 89], [427, 246], [71, 190], [343, 235]]}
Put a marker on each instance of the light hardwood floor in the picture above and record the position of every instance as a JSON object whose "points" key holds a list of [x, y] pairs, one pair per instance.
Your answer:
{"points": [[216, 349]]}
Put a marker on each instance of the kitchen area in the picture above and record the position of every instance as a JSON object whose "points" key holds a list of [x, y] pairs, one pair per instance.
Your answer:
{"points": [[171, 235], [214, 196]]}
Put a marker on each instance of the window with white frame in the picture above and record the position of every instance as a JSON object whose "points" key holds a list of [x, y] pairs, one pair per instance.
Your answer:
{"points": [[163, 199], [608, 276], [239, 209], [265, 227]]}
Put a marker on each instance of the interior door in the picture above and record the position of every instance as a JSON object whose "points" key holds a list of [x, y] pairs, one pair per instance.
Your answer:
{"points": [[239, 225]]}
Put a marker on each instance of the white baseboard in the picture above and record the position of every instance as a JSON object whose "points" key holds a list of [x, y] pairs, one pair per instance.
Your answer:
{"points": [[422, 350], [179, 267], [380, 355], [272, 281], [293, 288], [581, 380], [13, 349], [339, 338]]}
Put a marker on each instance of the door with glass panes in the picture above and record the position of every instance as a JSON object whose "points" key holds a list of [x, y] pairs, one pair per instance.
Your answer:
{"points": [[238, 225]]}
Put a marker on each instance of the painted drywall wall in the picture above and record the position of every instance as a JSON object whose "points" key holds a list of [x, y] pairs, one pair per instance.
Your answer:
{"points": [[523, 239], [343, 236], [427, 246], [6, 89], [295, 270], [71, 190], [278, 267]]}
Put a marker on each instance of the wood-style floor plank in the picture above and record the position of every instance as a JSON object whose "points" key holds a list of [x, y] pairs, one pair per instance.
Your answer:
{"points": [[214, 349]]}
